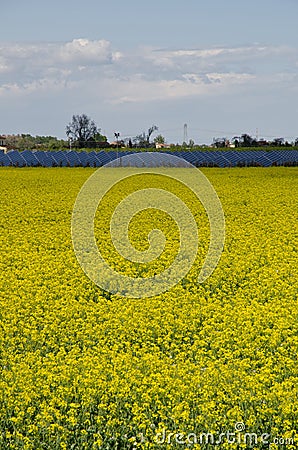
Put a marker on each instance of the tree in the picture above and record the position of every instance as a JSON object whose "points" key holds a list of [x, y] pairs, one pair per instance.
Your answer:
{"points": [[98, 137], [236, 141], [150, 131], [247, 141], [159, 139], [27, 142], [278, 142], [191, 143], [140, 140], [219, 142], [143, 140], [82, 130]]}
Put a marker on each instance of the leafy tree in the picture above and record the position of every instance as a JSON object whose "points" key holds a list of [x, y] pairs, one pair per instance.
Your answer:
{"points": [[278, 142], [82, 130], [236, 141], [55, 144], [100, 138], [247, 141], [219, 142], [27, 142], [191, 143], [159, 139]]}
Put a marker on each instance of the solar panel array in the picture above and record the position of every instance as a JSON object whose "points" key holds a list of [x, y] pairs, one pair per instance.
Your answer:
{"points": [[219, 158]]}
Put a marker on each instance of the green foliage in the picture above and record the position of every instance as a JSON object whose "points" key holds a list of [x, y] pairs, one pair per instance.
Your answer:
{"points": [[27, 142], [100, 138], [159, 139]]}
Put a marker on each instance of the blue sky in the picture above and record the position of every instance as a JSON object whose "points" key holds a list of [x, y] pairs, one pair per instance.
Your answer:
{"points": [[222, 67]]}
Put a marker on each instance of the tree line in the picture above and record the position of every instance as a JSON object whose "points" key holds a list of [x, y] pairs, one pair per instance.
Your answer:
{"points": [[245, 140], [83, 133]]}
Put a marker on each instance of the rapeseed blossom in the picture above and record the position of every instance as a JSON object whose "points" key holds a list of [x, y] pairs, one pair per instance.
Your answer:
{"points": [[85, 369]]}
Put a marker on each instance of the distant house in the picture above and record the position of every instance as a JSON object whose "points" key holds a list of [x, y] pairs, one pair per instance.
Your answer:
{"points": [[102, 144], [160, 145], [262, 143], [3, 143], [117, 144]]}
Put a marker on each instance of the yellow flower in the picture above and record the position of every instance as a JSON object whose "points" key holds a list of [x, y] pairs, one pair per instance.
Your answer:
{"points": [[82, 368]]}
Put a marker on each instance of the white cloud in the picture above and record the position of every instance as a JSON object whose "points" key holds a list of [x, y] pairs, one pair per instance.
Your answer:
{"points": [[25, 63], [84, 51], [98, 72]]}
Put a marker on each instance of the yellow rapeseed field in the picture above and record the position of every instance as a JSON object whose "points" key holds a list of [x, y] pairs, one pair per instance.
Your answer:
{"points": [[202, 366]]}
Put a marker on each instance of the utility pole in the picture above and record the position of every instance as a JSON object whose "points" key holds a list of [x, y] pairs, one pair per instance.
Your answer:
{"points": [[117, 135]]}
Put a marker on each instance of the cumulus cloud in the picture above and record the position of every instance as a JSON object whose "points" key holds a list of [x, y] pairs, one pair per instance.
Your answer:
{"points": [[27, 65], [83, 51], [94, 68]]}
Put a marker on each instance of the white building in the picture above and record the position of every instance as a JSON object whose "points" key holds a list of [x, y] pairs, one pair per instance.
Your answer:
{"points": [[3, 143], [160, 145]]}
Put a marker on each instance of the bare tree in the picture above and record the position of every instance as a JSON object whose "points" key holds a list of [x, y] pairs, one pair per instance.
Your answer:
{"points": [[82, 130], [150, 131], [143, 140]]}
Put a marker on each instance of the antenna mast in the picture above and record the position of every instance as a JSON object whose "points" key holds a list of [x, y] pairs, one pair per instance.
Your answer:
{"points": [[185, 133]]}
